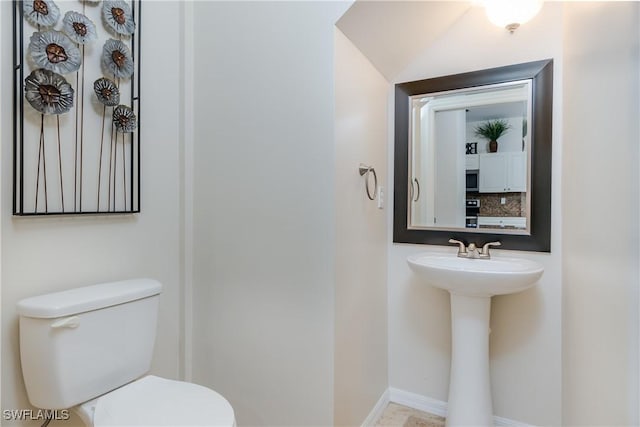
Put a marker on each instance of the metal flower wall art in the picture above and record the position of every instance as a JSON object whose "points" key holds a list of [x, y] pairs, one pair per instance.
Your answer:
{"points": [[116, 59], [118, 18], [41, 13], [76, 67]]}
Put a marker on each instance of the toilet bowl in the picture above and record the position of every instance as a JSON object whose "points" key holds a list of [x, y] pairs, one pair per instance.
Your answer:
{"points": [[90, 349], [156, 401]]}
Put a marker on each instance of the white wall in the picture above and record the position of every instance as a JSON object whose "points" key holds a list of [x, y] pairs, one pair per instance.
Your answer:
{"points": [[264, 208], [41, 255], [361, 236], [526, 327], [600, 214]]}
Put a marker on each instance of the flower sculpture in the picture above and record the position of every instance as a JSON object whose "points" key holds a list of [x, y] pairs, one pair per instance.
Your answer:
{"points": [[107, 92], [124, 119], [41, 13], [54, 51], [79, 28], [109, 96], [117, 16], [48, 92], [116, 59]]}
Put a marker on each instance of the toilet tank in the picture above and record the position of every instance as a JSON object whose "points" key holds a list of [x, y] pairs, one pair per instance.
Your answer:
{"points": [[78, 344]]}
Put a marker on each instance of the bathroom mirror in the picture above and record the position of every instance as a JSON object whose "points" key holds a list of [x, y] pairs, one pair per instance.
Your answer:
{"points": [[450, 181]]}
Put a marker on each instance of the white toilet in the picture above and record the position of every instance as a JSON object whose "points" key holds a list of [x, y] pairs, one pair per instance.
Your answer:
{"points": [[89, 348]]}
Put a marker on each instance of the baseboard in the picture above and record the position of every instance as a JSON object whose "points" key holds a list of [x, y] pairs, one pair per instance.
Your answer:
{"points": [[506, 422], [417, 401], [377, 410], [437, 407]]}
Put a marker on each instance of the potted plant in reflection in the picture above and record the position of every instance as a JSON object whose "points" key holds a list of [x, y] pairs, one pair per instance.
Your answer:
{"points": [[492, 130]]}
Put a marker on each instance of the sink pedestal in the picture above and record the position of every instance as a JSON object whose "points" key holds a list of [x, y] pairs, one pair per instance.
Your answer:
{"points": [[469, 384], [471, 284]]}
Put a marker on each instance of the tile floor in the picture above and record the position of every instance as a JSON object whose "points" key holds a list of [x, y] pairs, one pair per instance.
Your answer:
{"points": [[396, 415]]}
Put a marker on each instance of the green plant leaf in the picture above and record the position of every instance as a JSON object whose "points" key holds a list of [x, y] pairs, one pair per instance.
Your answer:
{"points": [[493, 129]]}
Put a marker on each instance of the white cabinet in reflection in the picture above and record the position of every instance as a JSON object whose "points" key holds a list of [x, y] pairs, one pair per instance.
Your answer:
{"points": [[472, 161], [503, 172]]}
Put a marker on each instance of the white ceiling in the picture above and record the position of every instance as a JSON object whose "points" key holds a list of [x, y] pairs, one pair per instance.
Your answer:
{"points": [[391, 33], [496, 111]]}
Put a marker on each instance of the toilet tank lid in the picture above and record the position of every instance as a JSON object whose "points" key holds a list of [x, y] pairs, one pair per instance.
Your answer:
{"points": [[87, 298]]}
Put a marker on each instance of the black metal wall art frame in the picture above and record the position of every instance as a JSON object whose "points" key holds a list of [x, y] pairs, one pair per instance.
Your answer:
{"points": [[77, 64]]}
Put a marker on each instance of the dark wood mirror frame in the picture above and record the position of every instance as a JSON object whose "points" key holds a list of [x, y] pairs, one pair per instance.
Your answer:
{"points": [[539, 239]]}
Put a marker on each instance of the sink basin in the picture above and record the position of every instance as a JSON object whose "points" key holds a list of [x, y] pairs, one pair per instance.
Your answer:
{"points": [[476, 277], [472, 283]]}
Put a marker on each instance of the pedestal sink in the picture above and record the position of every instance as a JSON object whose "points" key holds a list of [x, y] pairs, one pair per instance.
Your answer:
{"points": [[472, 283]]}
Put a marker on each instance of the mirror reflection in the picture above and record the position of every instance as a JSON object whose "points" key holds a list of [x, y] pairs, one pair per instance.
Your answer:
{"points": [[452, 181], [469, 165]]}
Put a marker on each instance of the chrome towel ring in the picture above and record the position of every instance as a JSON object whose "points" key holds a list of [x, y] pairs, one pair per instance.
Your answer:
{"points": [[364, 170]]}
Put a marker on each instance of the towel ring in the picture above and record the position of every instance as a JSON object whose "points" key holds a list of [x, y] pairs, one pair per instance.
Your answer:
{"points": [[364, 170]]}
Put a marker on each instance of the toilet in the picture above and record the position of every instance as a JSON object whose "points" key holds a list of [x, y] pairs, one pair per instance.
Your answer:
{"points": [[90, 349]]}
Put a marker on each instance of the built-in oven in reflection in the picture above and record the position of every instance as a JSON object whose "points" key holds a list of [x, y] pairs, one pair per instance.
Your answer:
{"points": [[472, 180], [472, 211]]}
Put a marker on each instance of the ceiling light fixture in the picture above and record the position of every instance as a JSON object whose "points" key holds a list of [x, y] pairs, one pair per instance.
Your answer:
{"points": [[510, 14]]}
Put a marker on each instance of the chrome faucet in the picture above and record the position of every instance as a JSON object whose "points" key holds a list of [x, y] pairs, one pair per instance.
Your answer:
{"points": [[472, 250]]}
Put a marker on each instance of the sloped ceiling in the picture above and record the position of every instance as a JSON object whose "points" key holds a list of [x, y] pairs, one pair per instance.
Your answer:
{"points": [[391, 33]]}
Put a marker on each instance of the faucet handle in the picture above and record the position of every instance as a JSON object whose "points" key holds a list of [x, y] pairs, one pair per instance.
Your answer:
{"points": [[462, 250], [484, 252]]}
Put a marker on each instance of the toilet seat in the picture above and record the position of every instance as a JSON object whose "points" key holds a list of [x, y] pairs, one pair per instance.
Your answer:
{"points": [[154, 401]]}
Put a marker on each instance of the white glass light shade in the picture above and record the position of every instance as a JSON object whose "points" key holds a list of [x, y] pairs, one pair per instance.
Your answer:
{"points": [[510, 14]]}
